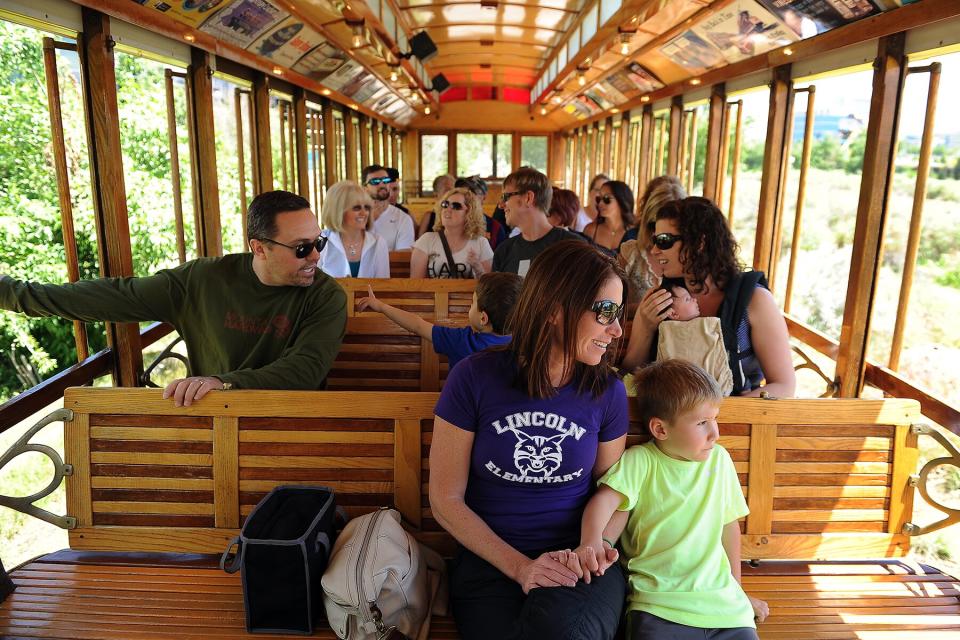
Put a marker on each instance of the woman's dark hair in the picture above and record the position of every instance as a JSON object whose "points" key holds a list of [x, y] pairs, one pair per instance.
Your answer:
{"points": [[563, 283], [709, 248], [624, 197], [565, 205]]}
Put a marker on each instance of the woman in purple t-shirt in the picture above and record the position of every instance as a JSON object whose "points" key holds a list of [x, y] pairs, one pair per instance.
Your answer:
{"points": [[520, 435]]}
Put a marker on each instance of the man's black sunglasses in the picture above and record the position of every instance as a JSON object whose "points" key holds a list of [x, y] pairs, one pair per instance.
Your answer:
{"points": [[303, 249], [607, 311], [376, 181], [665, 241]]}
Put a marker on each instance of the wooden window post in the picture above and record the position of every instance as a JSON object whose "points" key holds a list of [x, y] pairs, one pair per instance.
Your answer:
{"points": [[646, 149], [330, 144], [771, 180], [890, 70], [109, 192], [676, 126], [205, 167], [263, 158], [715, 132], [302, 142]]}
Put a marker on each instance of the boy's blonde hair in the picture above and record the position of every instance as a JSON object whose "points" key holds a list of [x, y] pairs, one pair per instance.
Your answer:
{"points": [[340, 197], [668, 388]]}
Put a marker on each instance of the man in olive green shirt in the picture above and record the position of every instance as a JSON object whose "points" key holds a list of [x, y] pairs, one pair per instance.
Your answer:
{"points": [[269, 319]]}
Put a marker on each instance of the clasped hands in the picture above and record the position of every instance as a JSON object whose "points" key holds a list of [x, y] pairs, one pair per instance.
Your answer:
{"points": [[563, 568]]}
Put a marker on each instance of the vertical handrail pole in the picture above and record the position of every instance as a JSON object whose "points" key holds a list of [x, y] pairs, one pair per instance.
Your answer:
{"points": [[916, 217], [252, 127], [682, 160], [735, 164], [782, 192], [292, 147], [174, 144], [282, 116], [801, 193], [241, 169], [724, 153], [692, 156], [661, 145], [59, 148]]}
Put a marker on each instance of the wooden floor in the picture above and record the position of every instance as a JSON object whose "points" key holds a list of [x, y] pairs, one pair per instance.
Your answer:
{"points": [[86, 597]]}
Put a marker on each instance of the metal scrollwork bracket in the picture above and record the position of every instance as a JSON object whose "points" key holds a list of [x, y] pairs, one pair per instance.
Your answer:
{"points": [[25, 504], [920, 482]]}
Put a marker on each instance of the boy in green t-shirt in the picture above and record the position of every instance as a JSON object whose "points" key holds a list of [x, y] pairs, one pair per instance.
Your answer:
{"points": [[682, 539]]}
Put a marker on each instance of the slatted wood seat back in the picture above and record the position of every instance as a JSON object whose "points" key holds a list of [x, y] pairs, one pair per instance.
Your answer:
{"points": [[400, 264], [149, 477], [824, 479], [434, 299]]}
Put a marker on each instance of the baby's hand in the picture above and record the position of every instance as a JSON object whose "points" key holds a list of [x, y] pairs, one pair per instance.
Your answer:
{"points": [[370, 302]]}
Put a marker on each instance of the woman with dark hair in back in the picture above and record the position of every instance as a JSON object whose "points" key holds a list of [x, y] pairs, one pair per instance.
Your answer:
{"points": [[520, 434], [691, 240], [615, 219]]}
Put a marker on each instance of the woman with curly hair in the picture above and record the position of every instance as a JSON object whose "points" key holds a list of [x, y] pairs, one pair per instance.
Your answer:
{"points": [[457, 246], [615, 217], [692, 240]]}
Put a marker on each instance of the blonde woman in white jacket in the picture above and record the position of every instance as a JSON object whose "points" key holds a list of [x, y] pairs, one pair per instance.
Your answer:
{"points": [[352, 250]]}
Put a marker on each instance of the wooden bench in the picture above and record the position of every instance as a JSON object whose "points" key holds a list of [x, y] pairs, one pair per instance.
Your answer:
{"points": [[156, 490], [399, 264]]}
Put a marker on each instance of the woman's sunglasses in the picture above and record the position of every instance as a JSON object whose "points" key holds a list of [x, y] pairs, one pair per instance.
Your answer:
{"points": [[607, 311], [665, 241], [607, 199], [303, 249], [456, 206]]}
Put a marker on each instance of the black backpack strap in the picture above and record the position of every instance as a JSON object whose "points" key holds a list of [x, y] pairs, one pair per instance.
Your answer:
{"points": [[451, 263], [737, 296]]}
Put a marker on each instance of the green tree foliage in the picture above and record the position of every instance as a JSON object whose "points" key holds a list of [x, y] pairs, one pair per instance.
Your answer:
{"points": [[31, 232]]}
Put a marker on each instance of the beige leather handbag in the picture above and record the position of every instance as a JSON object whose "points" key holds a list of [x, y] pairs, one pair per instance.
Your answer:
{"points": [[381, 582]]}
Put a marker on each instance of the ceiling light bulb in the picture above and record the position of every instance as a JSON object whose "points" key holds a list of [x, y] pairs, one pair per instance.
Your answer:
{"points": [[357, 41], [278, 71], [624, 48], [557, 99], [788, 51], [427, 110], [393, 75], [325, 92], [695, 81], [645, 99], [581, 79], [189, 37], [543, 111]]}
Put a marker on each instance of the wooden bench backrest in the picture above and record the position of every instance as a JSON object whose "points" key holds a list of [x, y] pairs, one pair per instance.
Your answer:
{"points": [[824, 479], [378, 355], [400, 264]]}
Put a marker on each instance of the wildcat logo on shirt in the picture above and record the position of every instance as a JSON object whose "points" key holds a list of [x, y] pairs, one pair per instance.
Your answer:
{"points": [[536, 457]]}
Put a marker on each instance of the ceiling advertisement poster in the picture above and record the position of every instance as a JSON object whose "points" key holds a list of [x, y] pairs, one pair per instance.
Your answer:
{"points": [[244, 21], [693, 53], [189, 12], [288, 42], [807, 18], [744, 29]]}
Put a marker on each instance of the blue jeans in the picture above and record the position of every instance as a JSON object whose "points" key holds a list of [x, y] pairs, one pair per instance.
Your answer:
{"points": [[487, 605]]}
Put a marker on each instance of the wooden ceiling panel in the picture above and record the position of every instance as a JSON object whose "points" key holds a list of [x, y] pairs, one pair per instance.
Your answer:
{"points": [[503, 32], [567, 5], [531, 17]]}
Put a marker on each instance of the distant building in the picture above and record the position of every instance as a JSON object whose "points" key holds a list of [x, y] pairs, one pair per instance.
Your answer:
{"points": [[826, 124]]}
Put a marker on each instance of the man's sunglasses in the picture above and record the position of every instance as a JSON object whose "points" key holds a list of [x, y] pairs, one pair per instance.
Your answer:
{"points": [[303, 249], [607, 199], [377, 181], [608, 311], [665, 241], [456, 206], [506, 195]]}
